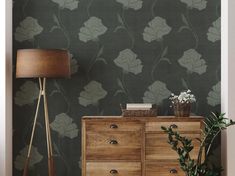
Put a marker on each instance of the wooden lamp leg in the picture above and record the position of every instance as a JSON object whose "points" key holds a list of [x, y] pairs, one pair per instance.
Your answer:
{"points": [[26, 166], [51, 168]]}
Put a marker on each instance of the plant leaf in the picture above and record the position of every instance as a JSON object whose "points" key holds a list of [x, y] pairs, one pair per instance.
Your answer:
{"points": [[120, 19], [55, 19], [118, 27], [166, 60], [118, 91], [100, 52], [184, 84], [185, 21], [102, 60], [164, 52], [54, 28], [120, 83], [183, 28]]}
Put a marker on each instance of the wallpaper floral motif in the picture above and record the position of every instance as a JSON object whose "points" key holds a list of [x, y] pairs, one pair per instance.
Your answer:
{"points": [[121, 51]]}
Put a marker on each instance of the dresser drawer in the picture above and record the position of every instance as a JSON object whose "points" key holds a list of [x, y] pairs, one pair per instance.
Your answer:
{"points": [[179, 126], [113, 140], [160, 168], [113, 168], [113, 145], [157, 146], [109, 126], [111, 153]]}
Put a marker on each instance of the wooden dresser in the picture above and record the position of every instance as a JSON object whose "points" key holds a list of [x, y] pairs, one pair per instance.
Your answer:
{"points": [[121, 146]]}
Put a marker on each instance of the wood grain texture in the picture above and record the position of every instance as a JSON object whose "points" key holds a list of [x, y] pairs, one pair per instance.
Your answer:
{"points": [[166, 153], [113, 153], [138, 140], [83, 148], [185, 126], [111, 126], [163, 168], [161, 140], [157, 147], [143, 119], [104, 139], [106, 168]]}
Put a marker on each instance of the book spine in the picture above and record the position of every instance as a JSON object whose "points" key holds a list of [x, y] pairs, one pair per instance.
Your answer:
{"points": [[139, 105], [138, 108]]}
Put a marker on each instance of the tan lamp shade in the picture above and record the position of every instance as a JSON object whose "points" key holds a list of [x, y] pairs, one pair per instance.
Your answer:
{"points": [[47, 63]]}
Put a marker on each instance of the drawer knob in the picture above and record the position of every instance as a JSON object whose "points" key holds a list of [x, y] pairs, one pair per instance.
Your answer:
{"points": [[173, 171], [113, 171], [113, 126], [174, 126], [113, 142]]}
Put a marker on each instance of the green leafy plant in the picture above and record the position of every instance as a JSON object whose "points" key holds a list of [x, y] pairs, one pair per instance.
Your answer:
{"points": [[214, 124]]}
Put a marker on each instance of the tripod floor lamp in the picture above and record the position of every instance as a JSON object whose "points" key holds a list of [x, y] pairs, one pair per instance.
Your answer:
{"points": [[42, 64]]}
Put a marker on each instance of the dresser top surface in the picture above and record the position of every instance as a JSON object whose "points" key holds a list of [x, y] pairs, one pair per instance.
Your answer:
{"points": [[158, 118]]}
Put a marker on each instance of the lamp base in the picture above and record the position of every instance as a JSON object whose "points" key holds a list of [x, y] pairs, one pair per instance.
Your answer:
{"points": [[42, 93]]}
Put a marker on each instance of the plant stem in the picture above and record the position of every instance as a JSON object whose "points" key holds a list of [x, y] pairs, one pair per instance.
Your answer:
{"points": [[203, 144], [24, 6], [88, 8], [125, 88], [157, 61], [62, 156], [93, 60], [209, 147], [132, 39], [192, 30], [152, 8], [63, 29], [60, 91]]}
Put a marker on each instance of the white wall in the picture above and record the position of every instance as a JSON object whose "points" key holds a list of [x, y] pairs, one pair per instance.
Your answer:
{"points": [[5, 88], [228, 83], [2, 92], [231, 88]]}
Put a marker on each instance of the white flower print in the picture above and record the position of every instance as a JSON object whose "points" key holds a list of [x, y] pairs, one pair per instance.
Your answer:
{"points": [[27, 94], [92, 93], [35, 158], [213, 97], [156, 30], [192, 61], [27, 29], [131, 4], [128, 62], [73, 64], [196, 4], [92, 29], [63, 124], [214, 32], [156, 93], [67, 4]]}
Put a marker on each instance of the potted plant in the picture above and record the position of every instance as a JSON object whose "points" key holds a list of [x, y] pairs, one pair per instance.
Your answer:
{"points": [[214, 124], [182, 103]]}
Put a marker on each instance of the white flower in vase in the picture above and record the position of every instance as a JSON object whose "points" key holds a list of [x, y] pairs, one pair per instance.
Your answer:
{"points": [[183, 97], [182, 103]]}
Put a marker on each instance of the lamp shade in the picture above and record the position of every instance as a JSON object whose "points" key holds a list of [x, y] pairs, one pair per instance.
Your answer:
{"points": [[47, 63]]}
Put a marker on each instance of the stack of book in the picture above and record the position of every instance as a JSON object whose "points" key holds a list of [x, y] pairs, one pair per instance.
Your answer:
{"points": [[139, 110], [138, 106]]}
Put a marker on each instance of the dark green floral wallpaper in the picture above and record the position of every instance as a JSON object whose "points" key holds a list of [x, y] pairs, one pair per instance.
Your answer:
{"points": [[121, 51]]}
